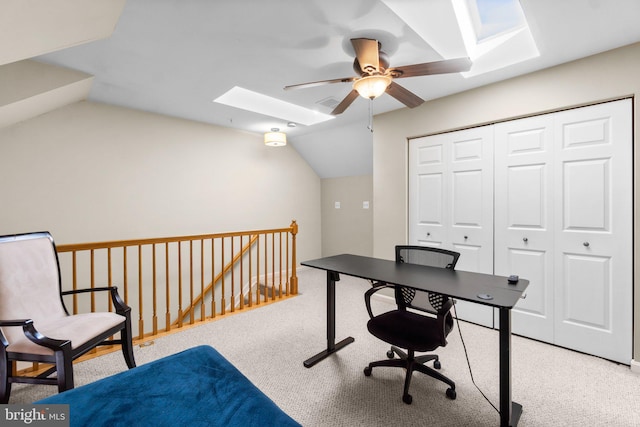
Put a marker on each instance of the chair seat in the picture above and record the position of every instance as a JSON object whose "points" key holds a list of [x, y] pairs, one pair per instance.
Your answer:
{"points": [[78, 328], [406, 329]]}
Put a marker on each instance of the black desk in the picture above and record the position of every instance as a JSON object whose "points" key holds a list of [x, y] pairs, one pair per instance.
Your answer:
{"points": [[461, 285]]}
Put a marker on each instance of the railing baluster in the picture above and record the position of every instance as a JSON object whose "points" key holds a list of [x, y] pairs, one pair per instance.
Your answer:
{"points": [[273, 266], [233, 282], [140, 295], [203, 310], [250, 276], [155, 290], [167, 296], [125, 282], [241, 276], [109, 276], [92, 279], [280, 265], [223, 301], [213, 273], [75, 280], [266, 270], [286, 264], [258, 270], [191, 305], [180, 311]]}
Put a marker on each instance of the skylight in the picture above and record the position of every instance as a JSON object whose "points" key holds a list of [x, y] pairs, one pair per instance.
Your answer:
{"points": [[495, 33], [258, 103], [493, 17], [492, 33]]}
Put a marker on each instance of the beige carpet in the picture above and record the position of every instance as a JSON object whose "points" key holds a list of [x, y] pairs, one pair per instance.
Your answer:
{"points": [[556, 387]]}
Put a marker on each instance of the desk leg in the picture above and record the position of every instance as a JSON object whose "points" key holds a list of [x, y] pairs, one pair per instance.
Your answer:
{"points": [[332, 347], [509, 411]]}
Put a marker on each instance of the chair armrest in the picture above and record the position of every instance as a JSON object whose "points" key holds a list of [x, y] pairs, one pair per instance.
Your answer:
{"points": [[9, 323], [118, 302], [85, 290], [448, 305], [32, 333], [375, 288], [35, 336], [445, 319], [14, 322]]}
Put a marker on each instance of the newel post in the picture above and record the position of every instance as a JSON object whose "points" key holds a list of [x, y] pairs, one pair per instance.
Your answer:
{"points": [[294, 278]]}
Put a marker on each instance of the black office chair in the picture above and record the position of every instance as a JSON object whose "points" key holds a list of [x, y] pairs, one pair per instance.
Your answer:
{"points": [[407, 329]]}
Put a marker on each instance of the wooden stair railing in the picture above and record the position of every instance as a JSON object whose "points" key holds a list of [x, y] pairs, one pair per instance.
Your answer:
{"points": [[167, 275]]}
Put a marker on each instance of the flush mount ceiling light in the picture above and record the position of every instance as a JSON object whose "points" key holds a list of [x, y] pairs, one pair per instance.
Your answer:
{"points": [[275, 138], [371, 87]]}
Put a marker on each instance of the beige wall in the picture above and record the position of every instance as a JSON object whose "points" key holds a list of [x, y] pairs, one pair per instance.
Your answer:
{"points": [[93, 172], [350, 228], [29, 29], [606, 76]]}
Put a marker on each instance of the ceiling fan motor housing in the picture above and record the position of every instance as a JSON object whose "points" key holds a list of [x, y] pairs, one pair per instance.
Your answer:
{"points": [[370, 69]]}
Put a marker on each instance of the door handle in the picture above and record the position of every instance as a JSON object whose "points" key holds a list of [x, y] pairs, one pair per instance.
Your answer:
{"points": [[524, 239], [585, 244]]}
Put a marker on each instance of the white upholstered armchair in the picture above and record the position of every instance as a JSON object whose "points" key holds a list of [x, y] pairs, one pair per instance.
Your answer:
{"points": [[35, 325]]}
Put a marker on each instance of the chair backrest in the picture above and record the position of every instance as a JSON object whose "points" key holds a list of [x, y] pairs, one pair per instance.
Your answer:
{"points": [[432, 257], [29, 281]]}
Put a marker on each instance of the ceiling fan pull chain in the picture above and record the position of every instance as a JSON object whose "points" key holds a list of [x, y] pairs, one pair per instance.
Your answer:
{"points": [[370, 127]]}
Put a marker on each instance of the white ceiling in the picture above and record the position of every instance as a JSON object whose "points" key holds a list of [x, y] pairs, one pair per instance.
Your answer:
{"points": [[174, 57]]}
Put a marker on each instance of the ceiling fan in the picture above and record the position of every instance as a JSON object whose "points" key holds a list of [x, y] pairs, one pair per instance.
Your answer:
{"points": [[376, 77]]}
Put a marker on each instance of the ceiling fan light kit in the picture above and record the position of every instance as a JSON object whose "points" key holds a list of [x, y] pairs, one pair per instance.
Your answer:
{"points": [[371, 87]]}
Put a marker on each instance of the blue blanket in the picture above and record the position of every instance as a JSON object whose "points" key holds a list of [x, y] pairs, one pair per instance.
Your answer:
{"points": [[197, 387]]}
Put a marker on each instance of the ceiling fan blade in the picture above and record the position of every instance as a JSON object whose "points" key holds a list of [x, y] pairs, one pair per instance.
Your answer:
{"points": [[344, 104], [438, 67], [320, 83], [403, 95], [367, 54]]}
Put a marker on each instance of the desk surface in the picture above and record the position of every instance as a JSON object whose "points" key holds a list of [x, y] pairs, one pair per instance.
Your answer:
{"points": [[461, 285]]}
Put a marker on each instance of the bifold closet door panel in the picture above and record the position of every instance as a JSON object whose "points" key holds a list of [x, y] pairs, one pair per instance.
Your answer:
{"points": [[594, 230], [524, 206], [450, 202], [428, 192]]}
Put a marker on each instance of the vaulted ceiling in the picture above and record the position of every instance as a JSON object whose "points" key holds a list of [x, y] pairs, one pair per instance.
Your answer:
{"points": [[175, 57]]}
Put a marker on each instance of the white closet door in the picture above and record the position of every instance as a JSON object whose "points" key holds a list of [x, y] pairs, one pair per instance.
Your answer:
{"points": [[450, 202], [524, 229], [428, 192], [593, 279]]}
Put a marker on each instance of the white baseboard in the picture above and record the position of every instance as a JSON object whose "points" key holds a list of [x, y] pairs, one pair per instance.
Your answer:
{"points": [[635, 366]]}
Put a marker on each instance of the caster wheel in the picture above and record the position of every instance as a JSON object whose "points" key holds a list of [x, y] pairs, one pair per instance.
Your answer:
{"points": [[407, 398], [451, 394], [367, 371], [390, 354], [437, 364]]}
